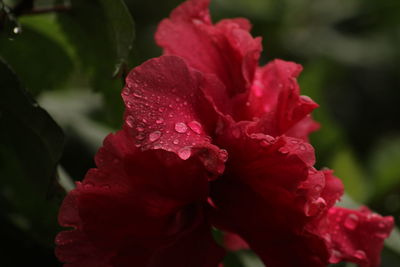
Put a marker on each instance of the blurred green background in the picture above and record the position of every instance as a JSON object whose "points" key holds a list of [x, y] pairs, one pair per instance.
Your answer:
{"points": [[71, 56]]}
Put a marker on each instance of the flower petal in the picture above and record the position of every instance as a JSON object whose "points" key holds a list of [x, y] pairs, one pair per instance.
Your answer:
{"points": [[356, 235], [134, 206], [226, 49], [275, 99], [167, 109], [262, 197]]}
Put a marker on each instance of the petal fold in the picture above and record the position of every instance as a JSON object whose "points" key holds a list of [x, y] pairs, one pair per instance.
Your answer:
{"points": [[134, 208]]}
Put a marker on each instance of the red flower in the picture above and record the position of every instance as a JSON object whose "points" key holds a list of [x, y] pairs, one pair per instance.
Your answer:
{"points": [[210, 138]]}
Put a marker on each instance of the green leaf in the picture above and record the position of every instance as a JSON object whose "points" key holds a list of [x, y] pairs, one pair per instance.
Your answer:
{"points": [[393, 242], [31, 144], [122, 27], [385, 168], [101, 33], [350, 172], [40, 60]]}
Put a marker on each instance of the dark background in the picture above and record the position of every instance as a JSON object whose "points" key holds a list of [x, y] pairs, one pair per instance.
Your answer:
{"points": [[66, 53]]}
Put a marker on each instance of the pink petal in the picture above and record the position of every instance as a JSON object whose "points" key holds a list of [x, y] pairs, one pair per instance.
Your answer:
{"points": [[356, 235], [133, 206], [275, 99], [167, 109], [262, 197], [226, 49]]}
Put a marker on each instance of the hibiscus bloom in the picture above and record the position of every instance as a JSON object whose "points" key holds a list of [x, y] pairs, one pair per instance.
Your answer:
{"points": [[211, 139]]}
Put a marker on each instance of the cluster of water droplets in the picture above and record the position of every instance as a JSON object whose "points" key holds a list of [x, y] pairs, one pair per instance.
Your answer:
{"points": [[151, 120]]}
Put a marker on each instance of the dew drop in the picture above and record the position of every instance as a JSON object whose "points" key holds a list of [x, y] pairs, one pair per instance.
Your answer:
{"points": [[126, 91], [130, 121], [17, 30], [302, 147], [284, 150], [144, 120], [138, 93], [382, 225], [140, 129], [88, 185], [195, 126], [336, 256], [223, 154], [264, 143], [129, 104], [294, 141], [157, 146], [306, 98], [106, 187], [140, 136], [236, 132], [176, 141], [180, 127], [154, 136], [360, 254], [314, 207], [159, 120], [381, 235], [351, 221], [318, 188], [184, 153]]}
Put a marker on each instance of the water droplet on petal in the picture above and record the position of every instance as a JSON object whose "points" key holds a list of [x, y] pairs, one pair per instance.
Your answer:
{"points": [[88, 185], [180, 127], [184, 153], [314, 207], [140, 129], [129, 104], [306, 98], [138, 93], [302, 147], [140, 136], [106, 187], [130, 121], [351, 221], [294, 141], [126, 91], [176, 141], [283, 150], [336, 256], [236, 132], [154, 136], [195, 126], [360, 254], [223, 154], [159, 120], [317, 188]]}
